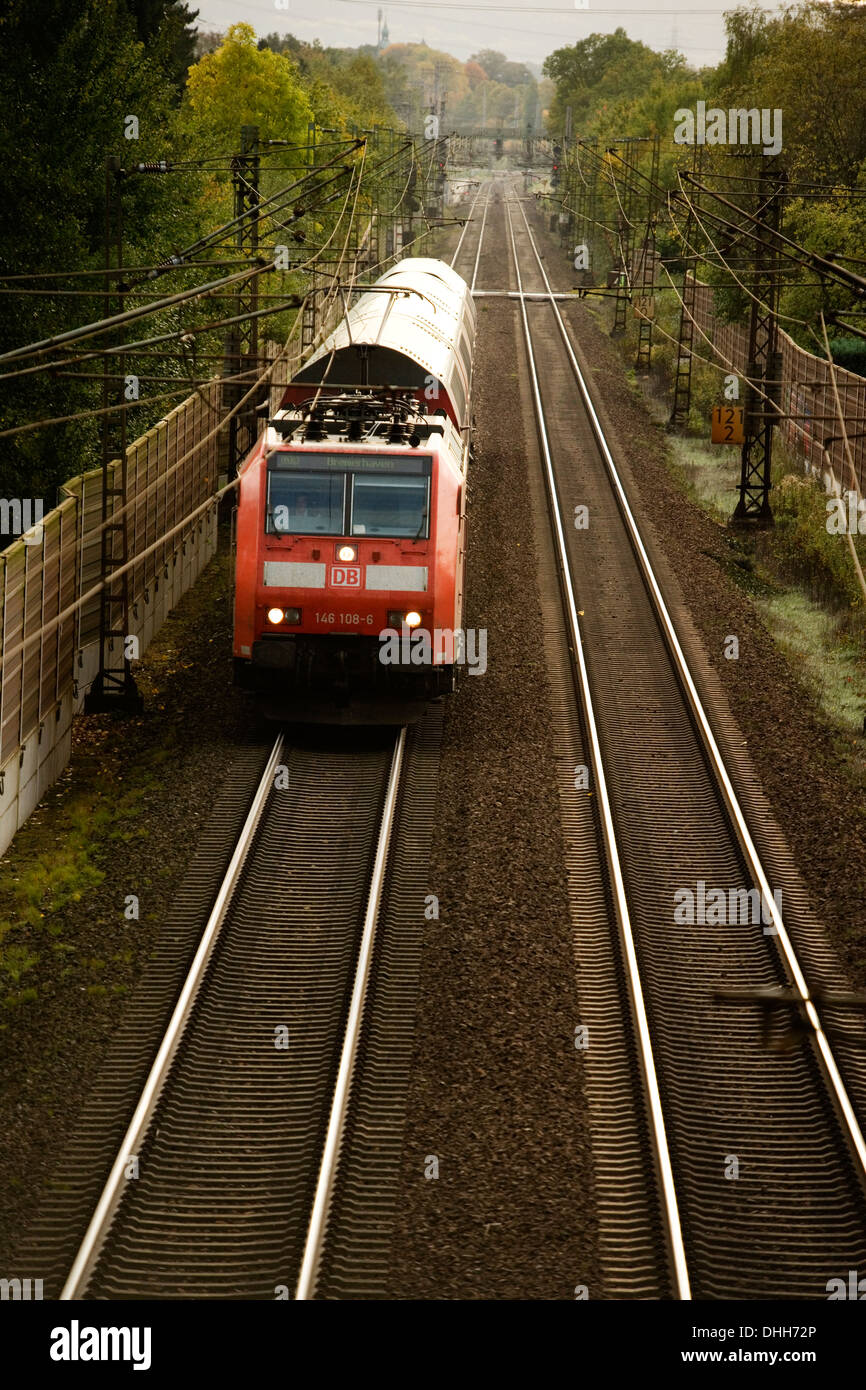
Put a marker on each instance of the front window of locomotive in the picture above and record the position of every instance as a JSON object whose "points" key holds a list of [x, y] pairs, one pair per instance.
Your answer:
{"points": [[395, 506], [377, 495], [305, 503]]}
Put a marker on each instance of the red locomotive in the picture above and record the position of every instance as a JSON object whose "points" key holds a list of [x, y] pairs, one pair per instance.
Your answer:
{"points": [[351, 512]]}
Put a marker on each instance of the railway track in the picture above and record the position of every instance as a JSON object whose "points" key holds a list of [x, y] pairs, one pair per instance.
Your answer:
{"points": [[471, 221], [262, 1155], [725, 1169]]}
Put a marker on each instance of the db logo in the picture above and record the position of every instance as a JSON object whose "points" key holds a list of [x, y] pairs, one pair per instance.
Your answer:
{"points": [[345, 576]]}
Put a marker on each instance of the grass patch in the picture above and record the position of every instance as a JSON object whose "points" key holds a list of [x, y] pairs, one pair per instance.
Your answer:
{"points": [[56, 863], [710, 472], [19, 998], [834, 669], [801, 546], [800, 576], [15, 961]]}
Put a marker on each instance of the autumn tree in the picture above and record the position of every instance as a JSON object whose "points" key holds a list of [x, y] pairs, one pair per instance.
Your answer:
{"points": [[498, 68], [809, 63], [475, 73], [242, 84]]}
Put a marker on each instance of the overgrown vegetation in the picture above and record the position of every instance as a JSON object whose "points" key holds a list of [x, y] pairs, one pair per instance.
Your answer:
{"points": [[100, 815], [486, 92], [799, 574], [805, 62], [47, 878], [70, 77]]}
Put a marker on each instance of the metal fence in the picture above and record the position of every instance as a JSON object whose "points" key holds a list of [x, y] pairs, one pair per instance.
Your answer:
{"points": [[807, 396], [49, 654]]}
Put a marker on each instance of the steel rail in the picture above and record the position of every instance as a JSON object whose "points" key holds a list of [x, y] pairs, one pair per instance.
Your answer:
{"points": [[481, 234], [669, 1202], [465, 227], [106, 1207], [316, 1232], [738, 819], [512, 294]]}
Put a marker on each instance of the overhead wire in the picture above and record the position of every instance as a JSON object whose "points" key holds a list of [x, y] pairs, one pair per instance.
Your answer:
{"points": [[105, 325], [788, 318], [45, 628], [265, 375], [224, 418]]}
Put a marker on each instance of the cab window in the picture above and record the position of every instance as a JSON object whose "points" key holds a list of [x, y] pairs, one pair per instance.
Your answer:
{"points": [[306, 503], [394, 506]]}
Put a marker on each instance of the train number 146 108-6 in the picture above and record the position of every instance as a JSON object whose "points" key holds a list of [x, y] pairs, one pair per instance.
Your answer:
{"points": [[346, 619]]}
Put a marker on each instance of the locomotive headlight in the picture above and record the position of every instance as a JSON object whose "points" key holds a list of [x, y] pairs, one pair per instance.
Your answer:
{"points": [[347, 553], [397, 618], [284, 615]]}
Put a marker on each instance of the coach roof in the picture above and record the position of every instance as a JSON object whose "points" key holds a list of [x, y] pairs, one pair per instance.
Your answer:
{"points": [[425, 330]]}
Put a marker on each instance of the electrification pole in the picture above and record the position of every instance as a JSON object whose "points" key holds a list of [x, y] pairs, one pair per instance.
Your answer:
{"points": [[590, 235], [114, 687], [645, 302], [683, 377], [309, 316], [625, 227], [764, 367], [243, 342]]}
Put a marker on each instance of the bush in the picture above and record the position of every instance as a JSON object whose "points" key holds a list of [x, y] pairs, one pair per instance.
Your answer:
{"points": [[801, 542], [706, 392], [849, 353]]}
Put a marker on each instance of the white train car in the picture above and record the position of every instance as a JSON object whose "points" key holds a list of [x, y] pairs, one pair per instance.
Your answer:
{"points": [[414, 328]]}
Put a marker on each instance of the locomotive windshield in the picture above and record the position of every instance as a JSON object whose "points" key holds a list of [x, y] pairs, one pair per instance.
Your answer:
{"points": [[389, 506], [306, 503], [352, 495]]}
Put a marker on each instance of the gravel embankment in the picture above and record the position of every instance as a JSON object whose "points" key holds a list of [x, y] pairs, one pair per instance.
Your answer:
{"points": [[491, 1094]]}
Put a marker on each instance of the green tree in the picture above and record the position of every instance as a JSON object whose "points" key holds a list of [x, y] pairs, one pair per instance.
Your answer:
{"points": [[165, 27], [810, 65], [605, 75], [748, 38], [69, 77], [242, 84]]}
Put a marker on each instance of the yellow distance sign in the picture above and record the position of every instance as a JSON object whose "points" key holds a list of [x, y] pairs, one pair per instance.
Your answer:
{"points": [[727, 424]]}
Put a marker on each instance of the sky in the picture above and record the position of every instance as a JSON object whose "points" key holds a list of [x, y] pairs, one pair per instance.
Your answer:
{"points": [[525, 33]]}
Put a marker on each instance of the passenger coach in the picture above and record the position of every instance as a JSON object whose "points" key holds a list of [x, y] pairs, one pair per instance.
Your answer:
{"points": [[351, 511]]}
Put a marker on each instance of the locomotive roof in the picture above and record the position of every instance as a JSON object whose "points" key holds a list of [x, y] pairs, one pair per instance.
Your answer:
{"points": [[409, 336]]}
